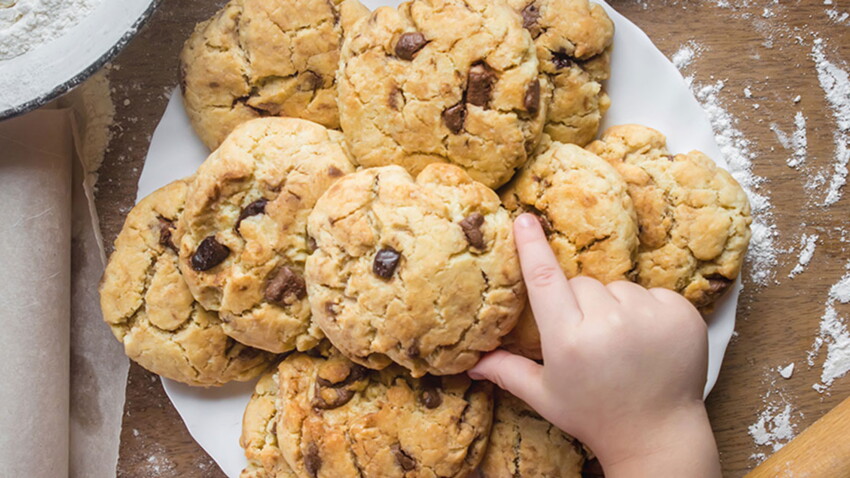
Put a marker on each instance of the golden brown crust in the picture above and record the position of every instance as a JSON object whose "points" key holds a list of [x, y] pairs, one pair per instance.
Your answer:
{"points": [[257, 58], [693, 216], [146, 301], [449, 291], [524, 445], [442, 81], [338, 419], [573, 40], [243, 237], [259, 432]]}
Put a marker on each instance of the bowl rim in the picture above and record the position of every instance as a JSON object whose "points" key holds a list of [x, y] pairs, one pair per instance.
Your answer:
{"points": [[82, 76]]}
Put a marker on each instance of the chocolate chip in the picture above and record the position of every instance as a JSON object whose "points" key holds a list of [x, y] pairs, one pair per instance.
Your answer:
{"points": [[396, 99], [285, 287], [668, 157], [479, 86], [254, 209], [340, 397], [430, 396], [532, 98], [166, 230], [471, 226], [311, 244], [717, 285], [530, 16], [413, 350], [454, 117], [209, 254], [386, 261], [310, 81], [541, 217], [334, 172], [409, 44], [312, 461], [405, 461], [329, 308], [562, 60]]}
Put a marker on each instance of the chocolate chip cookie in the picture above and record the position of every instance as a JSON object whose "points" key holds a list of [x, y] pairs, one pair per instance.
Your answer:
{"points": [[423, 273], [259, 432], [573, 40], [442, 81], [338, 419], [524, 445], [587, 214], [265, 58], [694, 218], [243, 235], [149, 307]]}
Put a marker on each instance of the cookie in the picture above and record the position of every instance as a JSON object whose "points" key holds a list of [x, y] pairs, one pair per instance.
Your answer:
{"points": [[338, 419], [694, 218], [265, 58], [573, 40], [442, 81], [586, 211], [148, 305], [524, 445], [259, 432], [424, 273], [243, 235]]}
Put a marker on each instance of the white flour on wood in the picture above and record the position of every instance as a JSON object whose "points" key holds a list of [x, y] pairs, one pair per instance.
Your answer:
{"points": [[26, 24]]}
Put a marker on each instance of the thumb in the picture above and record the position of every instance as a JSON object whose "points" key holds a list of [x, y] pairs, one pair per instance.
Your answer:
{"points": [[518, 375]]}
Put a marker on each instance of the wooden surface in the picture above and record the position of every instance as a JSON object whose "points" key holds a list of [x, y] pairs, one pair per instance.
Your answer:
{"points": [[821, 451], [776, 324]]}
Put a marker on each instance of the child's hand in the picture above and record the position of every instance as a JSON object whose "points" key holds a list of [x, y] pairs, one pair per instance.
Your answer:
{"points": [[624, 367]]}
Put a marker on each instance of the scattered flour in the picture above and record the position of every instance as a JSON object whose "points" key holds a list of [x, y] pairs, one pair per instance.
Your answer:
{"points": [[762, 255], [774, 428], [835, 83], [833, 333], [797, 142], [807, 249], [836, 16], [787, 371], [686, 54], [25, 24]]}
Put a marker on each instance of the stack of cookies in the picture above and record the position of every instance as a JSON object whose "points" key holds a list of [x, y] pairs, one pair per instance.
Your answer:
{"points": [[350, 240]]}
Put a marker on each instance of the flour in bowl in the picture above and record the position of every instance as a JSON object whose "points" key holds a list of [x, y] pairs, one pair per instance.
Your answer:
{"points": [[26, 24]]}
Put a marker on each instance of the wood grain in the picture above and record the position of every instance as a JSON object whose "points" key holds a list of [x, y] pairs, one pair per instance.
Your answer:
{"points": [[821, 451], [741, 46]]}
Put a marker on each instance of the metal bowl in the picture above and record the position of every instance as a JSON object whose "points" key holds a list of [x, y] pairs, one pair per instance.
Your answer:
{"points": [[49, 70]]}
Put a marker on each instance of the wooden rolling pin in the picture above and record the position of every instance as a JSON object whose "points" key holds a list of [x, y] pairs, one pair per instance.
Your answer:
{"points": [[821, 451]]}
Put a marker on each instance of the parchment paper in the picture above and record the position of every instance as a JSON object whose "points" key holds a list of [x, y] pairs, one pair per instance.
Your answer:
{"points": [[35, 294], [63, 375], [644, 88]]}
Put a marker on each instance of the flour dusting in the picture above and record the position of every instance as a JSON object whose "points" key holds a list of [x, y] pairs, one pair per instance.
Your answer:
{"points": [[686, 54], [26, 24], [834, 334], [773, 428], [797, 142], [807, 250], [835, 83]]}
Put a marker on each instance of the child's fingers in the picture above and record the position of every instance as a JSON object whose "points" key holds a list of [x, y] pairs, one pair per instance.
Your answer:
{"points": [[549, 293], [518, 375], [592, 296]]}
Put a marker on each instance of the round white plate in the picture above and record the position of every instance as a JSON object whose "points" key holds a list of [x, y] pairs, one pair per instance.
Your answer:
{"points": [[645, 88], [49, 70]]}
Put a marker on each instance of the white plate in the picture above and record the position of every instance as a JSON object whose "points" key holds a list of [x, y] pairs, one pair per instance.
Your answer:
{"points": [[45, 72], [645, 88]]}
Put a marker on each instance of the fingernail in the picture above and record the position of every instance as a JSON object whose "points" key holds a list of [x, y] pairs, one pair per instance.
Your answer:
{"points": [[475, 375], [526, 221]]}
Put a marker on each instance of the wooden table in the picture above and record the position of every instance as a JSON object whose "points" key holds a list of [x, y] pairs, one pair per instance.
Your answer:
{"points": [[745, 47]]}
